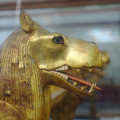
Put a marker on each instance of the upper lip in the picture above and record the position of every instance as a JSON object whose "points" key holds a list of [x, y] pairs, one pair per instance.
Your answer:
{"points": [[77, 82]]}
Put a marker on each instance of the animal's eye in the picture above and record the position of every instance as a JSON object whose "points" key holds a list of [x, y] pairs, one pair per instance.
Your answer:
{"points": [[58, 40]]}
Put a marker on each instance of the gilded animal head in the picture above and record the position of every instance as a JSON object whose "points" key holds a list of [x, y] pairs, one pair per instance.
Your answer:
{"points": [[55, 53]]}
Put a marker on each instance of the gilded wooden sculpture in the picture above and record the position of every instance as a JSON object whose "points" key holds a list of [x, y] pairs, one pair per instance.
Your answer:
{"points": [[32, 59]]}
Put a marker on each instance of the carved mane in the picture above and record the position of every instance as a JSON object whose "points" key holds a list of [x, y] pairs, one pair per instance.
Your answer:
{"points": [[18, 74]]}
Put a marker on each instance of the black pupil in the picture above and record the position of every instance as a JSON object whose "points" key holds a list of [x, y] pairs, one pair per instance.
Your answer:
{"points": [[58, 40]]}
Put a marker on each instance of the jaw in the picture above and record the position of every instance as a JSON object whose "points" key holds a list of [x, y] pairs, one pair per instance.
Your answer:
{"points": [[62, 77]]}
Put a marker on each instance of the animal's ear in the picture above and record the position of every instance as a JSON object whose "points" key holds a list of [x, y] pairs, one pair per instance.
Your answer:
{"points": [[27, 24]]}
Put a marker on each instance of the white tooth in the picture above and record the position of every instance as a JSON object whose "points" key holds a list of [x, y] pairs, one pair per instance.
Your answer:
{"points": [[55, 72], [91, 89], [61, 74], [62, 68], [66, 67], [58, 73], [66, 77], [78, 70]]}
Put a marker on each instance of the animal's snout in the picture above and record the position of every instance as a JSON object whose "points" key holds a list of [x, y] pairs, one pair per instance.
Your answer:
{"points": [[93, 42]]}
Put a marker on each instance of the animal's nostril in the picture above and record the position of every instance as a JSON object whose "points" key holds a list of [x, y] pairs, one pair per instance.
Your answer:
{"points": [[93, 42]]}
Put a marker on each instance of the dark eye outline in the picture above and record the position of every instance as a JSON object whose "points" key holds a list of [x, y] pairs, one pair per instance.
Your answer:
{"points": [[54, 39]]}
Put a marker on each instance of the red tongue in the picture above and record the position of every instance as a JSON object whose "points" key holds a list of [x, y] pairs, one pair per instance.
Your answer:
{"points": [[82, 81]]}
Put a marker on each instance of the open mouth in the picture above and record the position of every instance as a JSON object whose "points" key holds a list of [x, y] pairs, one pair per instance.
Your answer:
{"points": [[75, 81]]}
